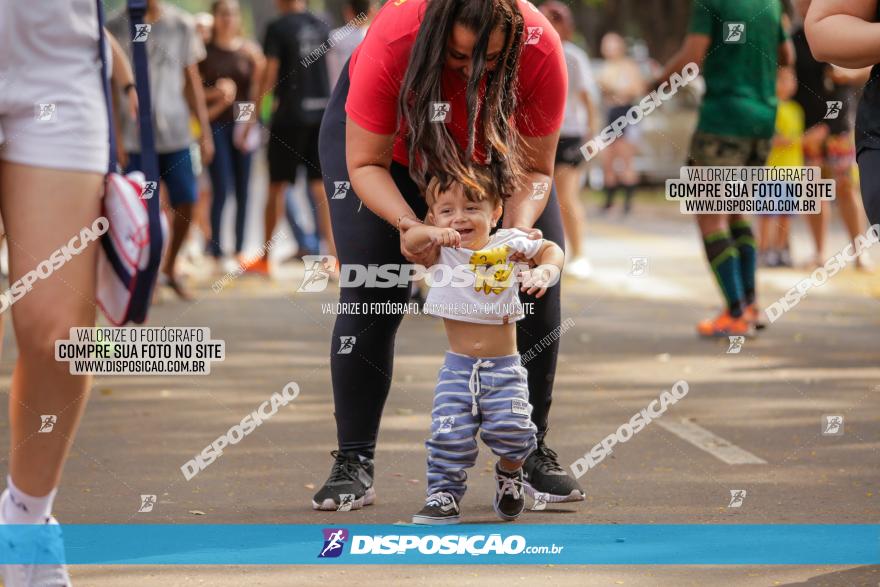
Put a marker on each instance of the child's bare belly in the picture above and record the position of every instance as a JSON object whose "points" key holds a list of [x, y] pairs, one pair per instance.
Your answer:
{"points": [[481, 340]]}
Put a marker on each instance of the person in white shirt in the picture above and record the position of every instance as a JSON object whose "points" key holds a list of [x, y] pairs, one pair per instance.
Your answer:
{"points": [[581, 122], [482, 384]]}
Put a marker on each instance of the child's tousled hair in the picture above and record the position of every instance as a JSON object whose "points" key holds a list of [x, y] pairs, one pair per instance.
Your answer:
{"points": [[484, 187]]}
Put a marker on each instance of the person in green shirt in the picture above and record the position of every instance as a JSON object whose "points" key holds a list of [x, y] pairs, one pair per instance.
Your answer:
{"points": [[738, 44]]}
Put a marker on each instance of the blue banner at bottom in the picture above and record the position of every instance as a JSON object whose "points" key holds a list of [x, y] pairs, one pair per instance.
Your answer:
{"points": [[661, 544]]}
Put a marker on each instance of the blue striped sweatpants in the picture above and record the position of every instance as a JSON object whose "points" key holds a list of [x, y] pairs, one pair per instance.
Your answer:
{"points": [[490, 395]]}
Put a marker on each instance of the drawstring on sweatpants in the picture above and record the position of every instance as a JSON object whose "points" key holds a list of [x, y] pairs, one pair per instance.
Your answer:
{"points": [[474, 382]]}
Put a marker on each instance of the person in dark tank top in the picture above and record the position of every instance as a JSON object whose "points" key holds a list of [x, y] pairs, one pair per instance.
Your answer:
{"points": [[847, 34], [231, 71]]}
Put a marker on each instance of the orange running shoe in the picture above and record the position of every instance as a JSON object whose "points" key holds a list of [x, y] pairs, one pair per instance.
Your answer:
{"points": [[752, 315], [259, 266], [725, 325]]}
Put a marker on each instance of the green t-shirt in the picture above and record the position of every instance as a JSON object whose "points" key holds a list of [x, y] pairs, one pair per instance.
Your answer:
{"points": [[740, 65]]}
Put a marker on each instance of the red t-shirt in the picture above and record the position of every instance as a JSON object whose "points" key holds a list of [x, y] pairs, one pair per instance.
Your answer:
{"points": [[379, 63]]}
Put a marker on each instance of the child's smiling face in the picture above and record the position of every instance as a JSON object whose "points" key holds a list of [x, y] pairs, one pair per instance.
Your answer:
{"points": [[472, 220]]}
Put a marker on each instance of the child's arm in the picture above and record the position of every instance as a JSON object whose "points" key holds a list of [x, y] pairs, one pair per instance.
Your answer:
{"points": [[550, 259], [423, 236]]}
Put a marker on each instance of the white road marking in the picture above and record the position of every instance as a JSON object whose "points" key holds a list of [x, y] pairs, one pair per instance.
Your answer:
{"points": [[711, 443]]}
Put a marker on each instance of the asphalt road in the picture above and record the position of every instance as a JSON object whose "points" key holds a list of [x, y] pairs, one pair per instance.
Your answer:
{"points": [[632, 337]]}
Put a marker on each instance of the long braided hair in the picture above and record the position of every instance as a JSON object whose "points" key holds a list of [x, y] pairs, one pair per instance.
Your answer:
{"points": [[432, 149]]}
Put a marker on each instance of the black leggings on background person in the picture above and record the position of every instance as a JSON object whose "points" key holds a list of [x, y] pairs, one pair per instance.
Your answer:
{"points": [[869, 176], [362, 377]]}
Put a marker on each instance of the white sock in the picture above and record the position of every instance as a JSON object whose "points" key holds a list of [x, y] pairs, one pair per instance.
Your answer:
{"points": [[21, 508]]}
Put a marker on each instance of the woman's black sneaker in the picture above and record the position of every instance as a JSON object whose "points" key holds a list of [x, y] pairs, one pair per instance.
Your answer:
{"points": [[542, 474], [440, 508], [509, 500], [350, 485]]}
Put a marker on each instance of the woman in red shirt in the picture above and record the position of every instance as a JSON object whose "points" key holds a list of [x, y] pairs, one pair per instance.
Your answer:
{"points": [[437, 84]]}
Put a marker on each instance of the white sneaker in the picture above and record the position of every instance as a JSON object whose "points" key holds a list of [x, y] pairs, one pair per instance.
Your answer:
{"points": [[580, 268], [37, 575], [230, 265], [864, 263]]}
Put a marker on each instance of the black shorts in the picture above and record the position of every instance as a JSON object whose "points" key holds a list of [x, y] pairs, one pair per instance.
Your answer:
{"points": [[568, 152], [617, 112], [291, 146]]}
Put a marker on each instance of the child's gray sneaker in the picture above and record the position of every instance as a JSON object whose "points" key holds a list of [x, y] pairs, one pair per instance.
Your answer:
{"points": [[440, 508], [509, 497]]}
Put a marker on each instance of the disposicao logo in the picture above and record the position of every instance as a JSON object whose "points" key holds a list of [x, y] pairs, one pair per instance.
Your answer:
{"points": [[334, 542]]}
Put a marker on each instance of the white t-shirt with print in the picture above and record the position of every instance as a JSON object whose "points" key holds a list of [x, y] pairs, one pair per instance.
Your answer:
{"points": [[480, 286]]}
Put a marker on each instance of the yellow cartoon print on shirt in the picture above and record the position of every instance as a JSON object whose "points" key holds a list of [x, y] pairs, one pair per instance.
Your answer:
{"points": [[492, 269]]}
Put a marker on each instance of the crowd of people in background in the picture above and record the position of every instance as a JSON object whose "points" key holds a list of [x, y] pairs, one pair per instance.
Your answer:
{"points": [[208, 71], [814, 128], [213, 90]]}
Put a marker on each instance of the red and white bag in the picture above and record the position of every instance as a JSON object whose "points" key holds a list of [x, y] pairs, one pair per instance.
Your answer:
{"points": [[126, 246]]}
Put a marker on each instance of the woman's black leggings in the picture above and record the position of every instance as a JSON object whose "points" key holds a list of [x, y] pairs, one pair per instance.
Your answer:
{"points": [[869, 176], [362, 373]]}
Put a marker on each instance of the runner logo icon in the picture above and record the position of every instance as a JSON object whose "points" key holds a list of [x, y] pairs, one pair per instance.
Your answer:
{"points": [[541, 500], [147, 503], [534, 34], [440, 111], [737, 496], [342, 188], [149, 190], [46, 112], [446, 424], [539, 190], [832, 425], [317, 275], [141, 32], [334, 542], [346, 345], [244, 111], [735, 32], [47, 423], [833, 111], [639, 266], [346, 500], [736, 344]]}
